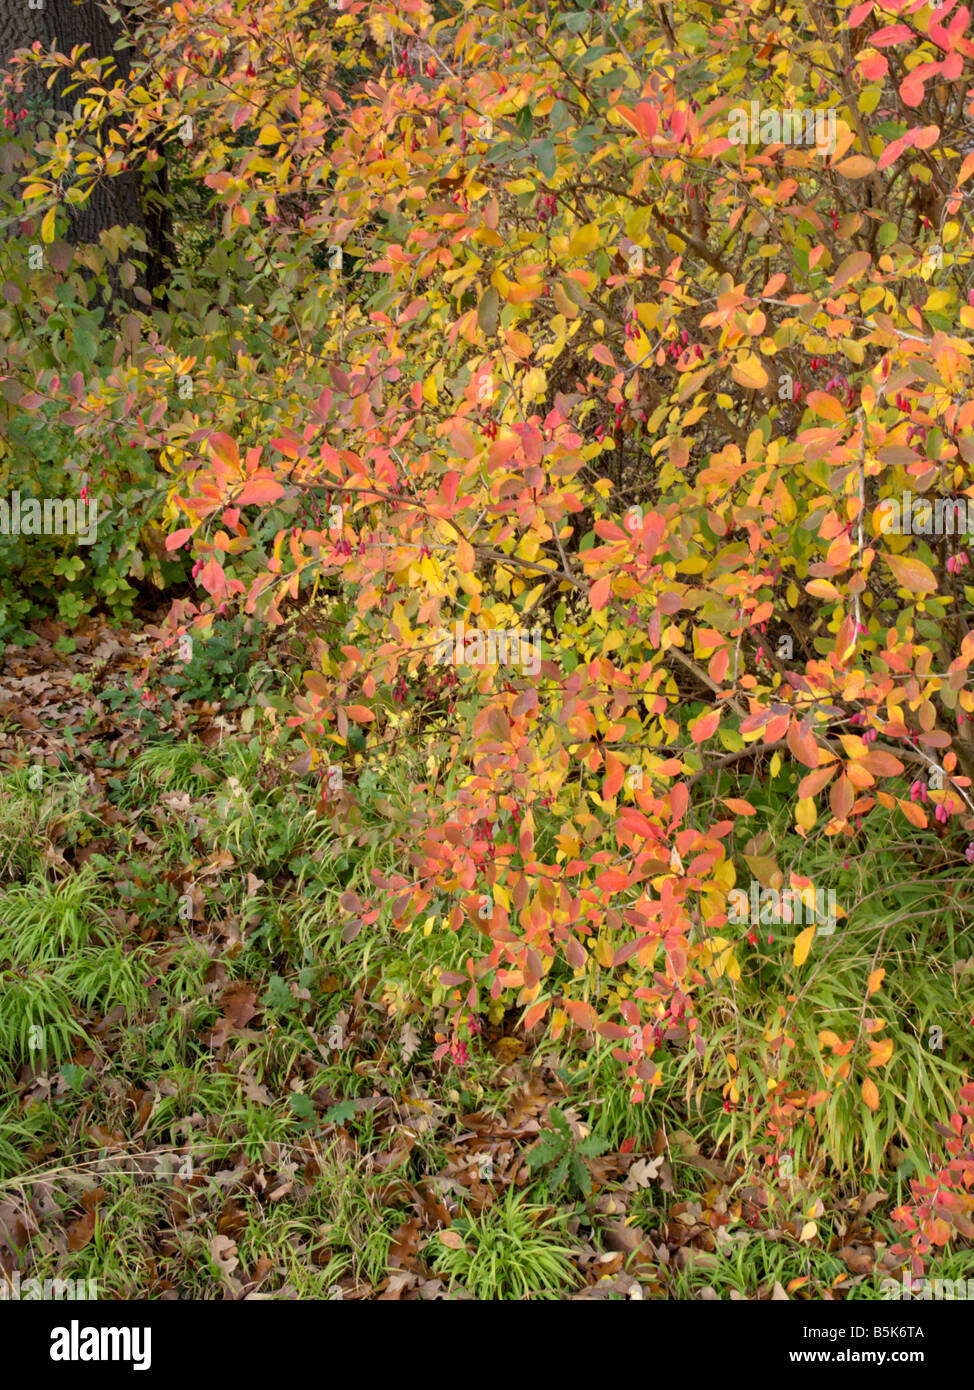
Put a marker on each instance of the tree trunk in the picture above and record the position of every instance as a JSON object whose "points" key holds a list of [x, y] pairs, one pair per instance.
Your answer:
{"points": [[117, 202]]}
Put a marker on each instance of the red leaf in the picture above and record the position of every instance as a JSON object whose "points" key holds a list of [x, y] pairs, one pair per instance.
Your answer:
{"points": [[893, 151], [212, 577], [911, 90], [860, 13], [890, 36], [874, 67]]}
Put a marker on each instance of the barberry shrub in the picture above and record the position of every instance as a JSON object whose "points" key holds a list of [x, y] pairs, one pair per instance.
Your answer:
{"points": [[581, 367]]}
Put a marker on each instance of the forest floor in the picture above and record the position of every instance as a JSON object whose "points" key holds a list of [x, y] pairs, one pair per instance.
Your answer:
{"points": [[215, 1087]]}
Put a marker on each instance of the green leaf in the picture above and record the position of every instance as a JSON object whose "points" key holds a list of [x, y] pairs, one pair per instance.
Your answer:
{"points": [[303, 1107], [692, 35], [560, 1173], [487, 310], [547, 159], [341, 1113], [594, 1145], [559, 1120], [580, 1176], [559, 117]]}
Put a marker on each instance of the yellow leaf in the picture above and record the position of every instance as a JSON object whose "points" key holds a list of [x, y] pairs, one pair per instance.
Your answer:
{"points": [[47, 226], [585, 240], [809, 1231], [270, 135], [857, 166], [749, 372], [563, 303], [532, 597], [500, 283], [803, 945]]}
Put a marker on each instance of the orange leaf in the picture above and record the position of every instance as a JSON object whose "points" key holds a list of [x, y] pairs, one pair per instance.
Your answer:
{"points": [[857, 166], [829, 407], [260, 490], [881, 764], [912, 574], [360, 713], [870, 1093], [536, 1013], [465, 556], [803, 746], [841, 798], [705, 726], [815, 781], [852, 268], [914, 813], [583, 1014], [598, 595], [225, 449]]}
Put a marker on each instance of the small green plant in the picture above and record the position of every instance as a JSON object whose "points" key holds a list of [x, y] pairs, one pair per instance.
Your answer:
{"points": [[564, 1155], [219, 666], [511, 1250]]}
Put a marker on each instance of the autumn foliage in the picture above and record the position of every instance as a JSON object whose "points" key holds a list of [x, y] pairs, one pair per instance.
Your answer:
{"points": [[521, 339]]}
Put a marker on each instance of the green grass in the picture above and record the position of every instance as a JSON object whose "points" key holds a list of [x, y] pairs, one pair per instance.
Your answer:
{"points": [[513, 1250], [907, 916], [315, 1152]]}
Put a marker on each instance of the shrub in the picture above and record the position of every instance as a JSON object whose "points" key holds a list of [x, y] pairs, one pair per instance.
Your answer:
{"points": [[592, 463]]}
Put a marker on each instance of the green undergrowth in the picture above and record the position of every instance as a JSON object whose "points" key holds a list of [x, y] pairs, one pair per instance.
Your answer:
{"points": [[199, 1051]]}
